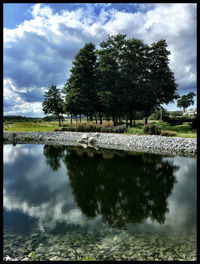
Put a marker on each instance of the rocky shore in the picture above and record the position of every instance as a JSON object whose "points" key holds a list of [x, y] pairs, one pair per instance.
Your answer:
{"points": [[141, 143]]}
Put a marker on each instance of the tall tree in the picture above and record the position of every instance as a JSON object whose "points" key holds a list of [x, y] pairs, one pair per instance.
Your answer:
{"points": [[161, 87], [185, 101], [134, 67], [53, 102], [81, 96], [109, 70]]}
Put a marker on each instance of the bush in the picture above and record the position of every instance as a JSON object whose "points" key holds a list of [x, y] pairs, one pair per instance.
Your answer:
{"points": [[193, 123], [152, 129], [168, 133], [90, 127], [177, 120]]}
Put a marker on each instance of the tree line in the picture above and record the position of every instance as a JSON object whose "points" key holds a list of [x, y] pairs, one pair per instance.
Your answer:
{"points": [[114, 81]]}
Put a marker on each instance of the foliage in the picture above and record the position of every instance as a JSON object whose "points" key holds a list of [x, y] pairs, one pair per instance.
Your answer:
{"points": [[193, 124], [53, 103], [152, 129], [122, 77], [178, 120], [176, 113], [184, 130], [91, 127], [186, 100], [80, 89], [158, 114]]}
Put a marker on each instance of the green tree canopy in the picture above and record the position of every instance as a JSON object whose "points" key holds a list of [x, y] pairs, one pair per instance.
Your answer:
{"points": [[121, 77], [186, 100], [53, 102], [80, 89]]}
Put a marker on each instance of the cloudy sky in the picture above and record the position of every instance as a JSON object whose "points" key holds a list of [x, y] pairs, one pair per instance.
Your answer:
{"points": [[41, 41]]}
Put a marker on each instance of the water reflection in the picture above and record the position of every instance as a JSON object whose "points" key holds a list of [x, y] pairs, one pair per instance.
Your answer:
{"points": [[69, 192], [54, 184], [121, 188]]}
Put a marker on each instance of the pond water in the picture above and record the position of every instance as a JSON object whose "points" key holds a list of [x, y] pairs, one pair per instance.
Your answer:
{"points": [[71, 203]]}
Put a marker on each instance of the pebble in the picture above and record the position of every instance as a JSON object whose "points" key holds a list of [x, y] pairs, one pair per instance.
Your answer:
{"points": [[100, 246], [140, 143]]}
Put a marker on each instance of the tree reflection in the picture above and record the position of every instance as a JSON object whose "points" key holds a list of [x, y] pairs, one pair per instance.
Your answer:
{"points": [[122, 187], [53, 155]]}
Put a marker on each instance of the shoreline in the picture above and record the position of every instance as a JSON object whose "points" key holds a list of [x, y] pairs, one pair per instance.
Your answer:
{"points": [[140, 143]]}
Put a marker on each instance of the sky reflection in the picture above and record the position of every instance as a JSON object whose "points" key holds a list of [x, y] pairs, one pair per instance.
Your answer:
{"points": [[51, 196]]}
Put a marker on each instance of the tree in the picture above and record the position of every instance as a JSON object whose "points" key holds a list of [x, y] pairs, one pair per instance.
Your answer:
{"points": [[81, 96], [110, 75], [122, 77], [185, 101], [53, 102], [160, 81], [134, 71]]}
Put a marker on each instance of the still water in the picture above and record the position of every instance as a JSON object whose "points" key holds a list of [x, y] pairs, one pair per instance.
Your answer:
{"points": [[71, 203]]}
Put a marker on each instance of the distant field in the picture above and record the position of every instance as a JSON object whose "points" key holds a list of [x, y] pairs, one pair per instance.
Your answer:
{"points": [[184, 130]]}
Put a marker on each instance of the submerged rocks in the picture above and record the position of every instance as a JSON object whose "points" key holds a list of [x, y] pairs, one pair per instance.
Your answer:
{"points": [[103, 244]]}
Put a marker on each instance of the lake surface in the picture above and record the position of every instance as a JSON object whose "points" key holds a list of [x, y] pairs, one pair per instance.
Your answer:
{"points": [[71, 203]]}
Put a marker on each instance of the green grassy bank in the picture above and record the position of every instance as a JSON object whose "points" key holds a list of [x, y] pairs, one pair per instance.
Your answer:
{"points": [[184, 130]]}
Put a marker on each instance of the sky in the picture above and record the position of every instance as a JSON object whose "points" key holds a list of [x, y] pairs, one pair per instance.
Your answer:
{"points": [[40, 42]]}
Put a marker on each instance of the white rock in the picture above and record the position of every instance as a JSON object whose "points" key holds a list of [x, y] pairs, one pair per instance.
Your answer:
{"points": [[25, 259], [84, 136], [84, 145]]}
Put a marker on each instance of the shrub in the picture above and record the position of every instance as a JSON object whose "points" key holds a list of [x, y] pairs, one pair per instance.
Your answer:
{"points": [[152, 129], [193, 123], [168, 133], [119, 129], [177, 120], [106, 129], [91, 127]]}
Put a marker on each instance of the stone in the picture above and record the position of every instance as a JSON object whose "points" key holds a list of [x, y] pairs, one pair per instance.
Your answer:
{"points": [[25, 259], [91, 140], [84, 136]]}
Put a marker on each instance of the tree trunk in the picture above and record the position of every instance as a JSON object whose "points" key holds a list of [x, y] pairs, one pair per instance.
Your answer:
{"points": [[131, 118], [76, 118], [80, 118], [113, 118], [100, 118], [96, 118], [59, 120], [87, 118], [71, 119], [134, 118], [127, 120], [145, 120], [91, 117]]}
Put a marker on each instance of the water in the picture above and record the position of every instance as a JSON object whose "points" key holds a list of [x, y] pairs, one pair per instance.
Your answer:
{"points": [[70, 203]]}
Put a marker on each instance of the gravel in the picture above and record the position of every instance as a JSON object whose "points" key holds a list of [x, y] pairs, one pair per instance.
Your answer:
{"points": [[141, 143], [115, 245]]}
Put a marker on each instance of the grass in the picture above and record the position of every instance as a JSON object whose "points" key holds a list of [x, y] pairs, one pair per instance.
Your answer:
{"points": [[30, 126], [184, 130]]}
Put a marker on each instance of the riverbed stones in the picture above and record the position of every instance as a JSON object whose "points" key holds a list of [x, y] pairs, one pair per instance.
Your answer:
{"points": [[116, 247]]}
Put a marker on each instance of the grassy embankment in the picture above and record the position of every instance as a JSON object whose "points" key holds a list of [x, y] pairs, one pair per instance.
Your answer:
{"points": [[184, 130]]}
